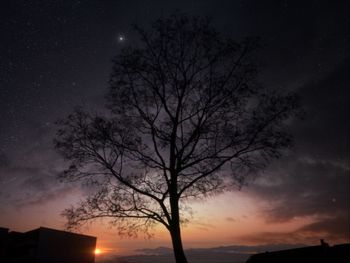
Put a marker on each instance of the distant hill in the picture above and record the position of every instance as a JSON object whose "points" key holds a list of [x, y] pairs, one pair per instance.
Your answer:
{"points": [[192, 257], [223, 254]]}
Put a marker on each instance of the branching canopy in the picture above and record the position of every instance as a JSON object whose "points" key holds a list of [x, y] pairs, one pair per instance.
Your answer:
{"points": [[186, 119]]}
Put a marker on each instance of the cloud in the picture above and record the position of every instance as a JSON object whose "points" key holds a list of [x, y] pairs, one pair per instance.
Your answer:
{"points": [[313, 181], [336, 230], [30, 185], [331, 228], [32, 179], [325, 131], [155, 251], [3, 160], [43, 197], [201, 225], [305, 189]]}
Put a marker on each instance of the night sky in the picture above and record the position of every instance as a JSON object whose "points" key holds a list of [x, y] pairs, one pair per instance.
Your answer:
{"points": [[56, 54]]}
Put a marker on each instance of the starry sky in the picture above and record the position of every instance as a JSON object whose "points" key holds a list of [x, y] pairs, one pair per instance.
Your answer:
{"points": [[56, 54]]}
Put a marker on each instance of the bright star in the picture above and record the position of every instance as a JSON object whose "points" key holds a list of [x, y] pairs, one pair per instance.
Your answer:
{"points": [[121, 38]]}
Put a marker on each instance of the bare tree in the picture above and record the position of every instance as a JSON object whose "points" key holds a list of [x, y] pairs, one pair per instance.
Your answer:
{"points": [[186, 119]]}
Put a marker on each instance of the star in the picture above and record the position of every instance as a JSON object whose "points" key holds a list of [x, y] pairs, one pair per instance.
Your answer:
{"points": [[121, 38]]}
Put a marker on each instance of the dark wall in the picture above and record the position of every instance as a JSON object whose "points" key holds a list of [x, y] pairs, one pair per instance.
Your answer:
{"points": [[44, 245], [58, 246]]}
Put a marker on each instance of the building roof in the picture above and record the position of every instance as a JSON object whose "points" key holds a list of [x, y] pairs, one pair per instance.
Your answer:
{"points": [[46, 229]]}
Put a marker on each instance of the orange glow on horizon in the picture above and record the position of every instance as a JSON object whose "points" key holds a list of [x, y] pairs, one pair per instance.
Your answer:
{"points": [[97, 251]]}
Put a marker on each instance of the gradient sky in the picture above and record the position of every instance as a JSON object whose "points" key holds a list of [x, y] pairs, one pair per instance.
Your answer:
{"points": [[56, 54]]}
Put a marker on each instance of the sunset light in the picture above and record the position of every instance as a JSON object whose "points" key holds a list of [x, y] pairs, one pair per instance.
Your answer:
{"points": [[97, 251]]}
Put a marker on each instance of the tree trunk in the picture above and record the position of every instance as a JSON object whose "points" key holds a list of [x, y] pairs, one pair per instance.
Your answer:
{"points": [[175, 233], [175, 230]]}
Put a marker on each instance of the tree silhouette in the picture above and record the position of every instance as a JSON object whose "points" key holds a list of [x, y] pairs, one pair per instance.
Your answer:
{"points": [[185, 119]]}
